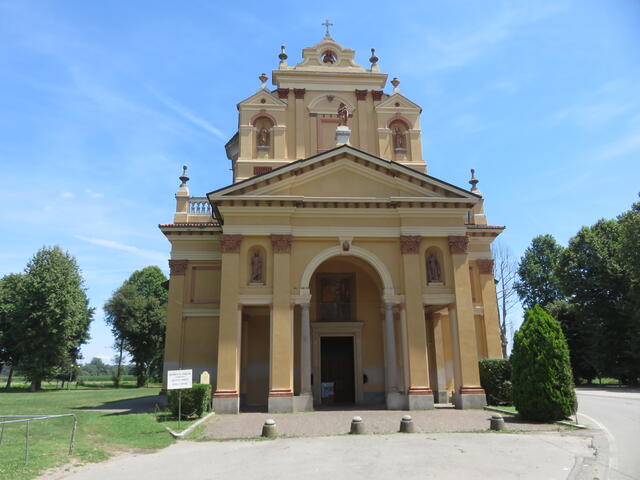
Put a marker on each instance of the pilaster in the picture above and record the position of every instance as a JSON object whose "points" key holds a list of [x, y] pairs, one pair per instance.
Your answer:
{"points": [[438, 342], [470, 393], [281, 351], [226, 398], [175, 305], [363, 119], [490, 308], [420, 395], [300, 124]]}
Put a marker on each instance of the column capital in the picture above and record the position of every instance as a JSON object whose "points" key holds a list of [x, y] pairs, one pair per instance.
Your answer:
{"points": [[458, 244], [299, 93], [230, 243], [283, 92], [281, 243], [178, 267], [410, 243], [485, 266], [361, 94]]}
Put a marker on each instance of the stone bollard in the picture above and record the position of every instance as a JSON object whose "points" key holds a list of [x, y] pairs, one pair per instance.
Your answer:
{"points": [[497, 422], [407, 425], [269, 429], [357, 426]]}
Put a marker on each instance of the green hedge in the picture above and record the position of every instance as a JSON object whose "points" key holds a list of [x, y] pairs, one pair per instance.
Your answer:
{"points": [[495, 378], [542, 378], [195, 400]]}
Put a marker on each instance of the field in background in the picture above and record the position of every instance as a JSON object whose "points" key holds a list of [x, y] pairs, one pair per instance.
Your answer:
{"points": [[99, 433]]}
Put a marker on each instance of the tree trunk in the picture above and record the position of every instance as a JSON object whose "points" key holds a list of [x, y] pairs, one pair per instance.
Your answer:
{"points": [[503, 327], [119, 370], [36, 385], [8, 385]]}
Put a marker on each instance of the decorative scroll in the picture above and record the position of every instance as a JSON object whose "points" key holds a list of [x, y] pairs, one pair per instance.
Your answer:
{"points": [[177, 267], [485, 266], [410, 243], [281, 243], [458, 244], [230, 243]]}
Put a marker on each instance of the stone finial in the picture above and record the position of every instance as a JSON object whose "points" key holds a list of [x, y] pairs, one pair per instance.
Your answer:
{"points": [[395, 82], [373, 59], [184, 178], [283, 56], [263, 78], [474, 182]]}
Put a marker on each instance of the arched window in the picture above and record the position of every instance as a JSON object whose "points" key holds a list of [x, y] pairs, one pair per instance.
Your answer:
{"points": [[434, 266]]}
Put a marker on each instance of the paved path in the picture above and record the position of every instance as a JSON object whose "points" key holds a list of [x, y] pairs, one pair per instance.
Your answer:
{"points": [[319, 423], [617, 412], [371, 457]]}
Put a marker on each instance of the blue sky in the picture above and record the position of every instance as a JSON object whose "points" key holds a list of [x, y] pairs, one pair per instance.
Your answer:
{"points": [[102, 102]]}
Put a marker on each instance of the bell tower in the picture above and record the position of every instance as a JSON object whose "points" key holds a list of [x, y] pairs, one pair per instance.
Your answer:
{"points": [[298, 118]]}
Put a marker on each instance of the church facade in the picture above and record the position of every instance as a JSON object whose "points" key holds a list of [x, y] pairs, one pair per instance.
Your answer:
{"points": [[333, 270]]}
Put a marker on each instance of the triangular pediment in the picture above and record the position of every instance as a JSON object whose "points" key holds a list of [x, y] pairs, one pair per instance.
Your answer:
{"points": [[263, 99], [346, 173], [398, 103]]}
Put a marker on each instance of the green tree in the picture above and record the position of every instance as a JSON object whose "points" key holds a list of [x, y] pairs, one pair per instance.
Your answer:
{"points": [[541, 371], [11, 315], [596, 280], [55, 316], [136, 313], [538, 282]]}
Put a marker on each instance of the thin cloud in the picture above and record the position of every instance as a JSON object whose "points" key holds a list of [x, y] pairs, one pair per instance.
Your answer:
{"points": [[186, 114], [101, 242], [619, 148], [67, 195], [93, 194]]}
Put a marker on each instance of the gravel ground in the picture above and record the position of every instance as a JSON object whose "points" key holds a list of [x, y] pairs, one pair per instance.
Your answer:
{"points": [[322, 423]]}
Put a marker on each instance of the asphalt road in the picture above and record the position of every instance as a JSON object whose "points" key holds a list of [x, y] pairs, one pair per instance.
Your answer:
{"points": [[617, 412]]}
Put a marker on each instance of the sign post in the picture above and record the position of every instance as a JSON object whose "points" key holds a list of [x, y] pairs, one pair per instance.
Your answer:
{"points": [[178, 380]]}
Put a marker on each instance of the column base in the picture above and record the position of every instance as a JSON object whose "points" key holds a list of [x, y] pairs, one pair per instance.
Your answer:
{"points": [[303, 402], [226, 401], [396, 401], [442, 397], [420, 399], [470, 397], [280, 401]]}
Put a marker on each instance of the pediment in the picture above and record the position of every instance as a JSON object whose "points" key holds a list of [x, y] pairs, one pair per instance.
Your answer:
{"points": [[345, 172], [262, 99], [398, 102]]}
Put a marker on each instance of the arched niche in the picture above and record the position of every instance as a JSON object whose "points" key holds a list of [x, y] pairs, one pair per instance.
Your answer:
{"points": [[263, 135], [400, 142], [257, 265], [434, 267]]}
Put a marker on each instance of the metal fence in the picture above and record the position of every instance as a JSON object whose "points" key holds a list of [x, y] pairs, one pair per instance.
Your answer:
{"points": [[27, 419]]}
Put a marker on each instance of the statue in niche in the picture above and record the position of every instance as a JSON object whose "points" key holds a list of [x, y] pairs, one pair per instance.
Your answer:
{"points": [[263, 137], [399, 140], [343, 114], [256, 268], [433, 268]]}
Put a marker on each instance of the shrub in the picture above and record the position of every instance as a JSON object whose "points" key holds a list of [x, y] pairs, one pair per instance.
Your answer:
{"points": [[541, 371], [495, 378], [195, 400]]}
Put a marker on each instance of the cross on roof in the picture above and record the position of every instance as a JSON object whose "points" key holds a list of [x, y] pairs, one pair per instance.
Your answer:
{"points": [[327, 24]]}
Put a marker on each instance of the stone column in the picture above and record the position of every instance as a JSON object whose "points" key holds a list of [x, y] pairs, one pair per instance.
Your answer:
{"points": [[438, 343], [490, 307], [226, 398], [395, 399], [279, 142], [470, 393], [420, 395], [300, 123], [281, 351], [305, 351]]}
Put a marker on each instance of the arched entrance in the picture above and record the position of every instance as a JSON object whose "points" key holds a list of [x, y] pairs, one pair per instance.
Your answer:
{"points": [[347, 330]]}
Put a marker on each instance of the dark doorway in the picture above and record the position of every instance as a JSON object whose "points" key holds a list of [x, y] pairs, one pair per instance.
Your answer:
{"points": [[337, 370]]}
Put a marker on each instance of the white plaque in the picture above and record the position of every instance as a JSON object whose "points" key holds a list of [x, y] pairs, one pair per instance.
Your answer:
{"points": [[177, 379]]}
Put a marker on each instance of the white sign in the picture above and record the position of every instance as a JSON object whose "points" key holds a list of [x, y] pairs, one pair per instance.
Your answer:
{"points": [[177, 379]]}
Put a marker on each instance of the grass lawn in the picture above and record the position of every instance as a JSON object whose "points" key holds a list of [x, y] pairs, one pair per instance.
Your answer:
{"points": [[99, 434], [509, 408]]}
